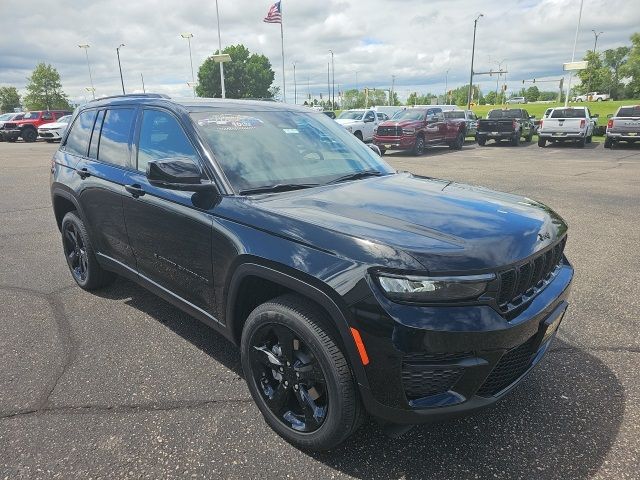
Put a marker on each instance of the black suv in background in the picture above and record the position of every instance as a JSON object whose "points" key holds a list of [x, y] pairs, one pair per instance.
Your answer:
{"points": [[350, 288]]}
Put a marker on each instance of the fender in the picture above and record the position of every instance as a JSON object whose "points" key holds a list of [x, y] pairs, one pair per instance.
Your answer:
{"points": [[300, 286], [58, 190]]}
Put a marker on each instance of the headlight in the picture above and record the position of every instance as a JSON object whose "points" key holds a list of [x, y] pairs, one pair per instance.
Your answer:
{"points": [[349, 129], [408, 131], [421, 289]]}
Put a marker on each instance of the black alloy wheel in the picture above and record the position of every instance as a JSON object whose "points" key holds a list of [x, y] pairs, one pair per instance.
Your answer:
{"points": [[298, 375], [289, 377], [75, 252], [418, 149]]}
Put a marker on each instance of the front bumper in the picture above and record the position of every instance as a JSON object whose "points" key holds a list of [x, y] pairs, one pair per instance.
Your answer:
{"points": [[418, 373], [404, 142], [50, 134], [12, 134]]}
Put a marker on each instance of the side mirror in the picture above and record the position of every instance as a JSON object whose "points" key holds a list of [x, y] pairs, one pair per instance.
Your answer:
{"points": [[368, 120], [597, 115], [375, 148], [177, 174], [532, 117]]}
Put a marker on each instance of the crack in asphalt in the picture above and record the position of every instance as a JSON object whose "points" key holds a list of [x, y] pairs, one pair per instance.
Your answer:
{"points": [[121, 408]]}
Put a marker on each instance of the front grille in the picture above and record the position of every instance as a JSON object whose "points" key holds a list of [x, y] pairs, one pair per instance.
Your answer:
{"points": [[421, 381], [389, 131], [511, 366], [524, 279]]}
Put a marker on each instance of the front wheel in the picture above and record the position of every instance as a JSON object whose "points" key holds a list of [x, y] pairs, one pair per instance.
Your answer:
{"points": [[298, 375], [418, 148], [80, 256], [358, 135], [29, 135], [458, 142]]}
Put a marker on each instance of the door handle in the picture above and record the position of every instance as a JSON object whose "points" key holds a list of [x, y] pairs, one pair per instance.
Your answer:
{"points": [[83, 172], [135, 190]]}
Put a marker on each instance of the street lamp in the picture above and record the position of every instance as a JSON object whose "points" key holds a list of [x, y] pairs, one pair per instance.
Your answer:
{"points": [[120, 66], [189, 36], [473, 52], [446, 89], [573, 55], [295, 85], [224, 95], [221, 58], [595, 43], [86, 46], [333, 82]]}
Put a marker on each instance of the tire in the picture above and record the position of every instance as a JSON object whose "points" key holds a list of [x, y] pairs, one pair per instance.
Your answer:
{"points": [[582, 142], [529, 137], [515, 140], [542, 142], [589, 139], [418, 148], [482, 141], [29, 135], [49, 141], [598, 99], [84, 267], [458, 142], [312, 343], [608, 143], [382, 150], [358, 135]]}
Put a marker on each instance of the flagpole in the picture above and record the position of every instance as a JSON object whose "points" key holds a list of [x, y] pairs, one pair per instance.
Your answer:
{"points": [[284, 85]]}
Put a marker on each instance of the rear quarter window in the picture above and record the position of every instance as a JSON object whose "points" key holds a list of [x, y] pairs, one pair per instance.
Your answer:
{"points": [[629, 112], [78, 139]]}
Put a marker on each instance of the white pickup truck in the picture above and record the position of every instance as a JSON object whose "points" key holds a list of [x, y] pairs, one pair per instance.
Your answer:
{"points": [[361, 123], [623, 126], [593, 97], [567, 124]]}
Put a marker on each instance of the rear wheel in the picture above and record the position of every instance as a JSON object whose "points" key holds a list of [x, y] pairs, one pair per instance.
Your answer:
{"points": [[582, 142], [589, 139], [608, 143], [515, 140], [29, 135], [542, 142], [358, 135], [481, 141], [80, 256], [297, 374], [529, 137]]}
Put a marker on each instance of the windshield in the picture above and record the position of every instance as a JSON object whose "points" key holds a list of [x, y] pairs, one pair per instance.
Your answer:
{"points": [[410, 114], [498, 114], [352, 114], [266, 148], [568, 113], [454, 114], [64, 119], [31, 115], [629, 111]]}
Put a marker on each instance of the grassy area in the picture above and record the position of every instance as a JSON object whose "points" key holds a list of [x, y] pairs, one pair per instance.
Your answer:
{"points": [[537, 109]]}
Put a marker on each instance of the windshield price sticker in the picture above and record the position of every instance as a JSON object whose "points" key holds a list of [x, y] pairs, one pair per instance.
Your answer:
{"points": [[231, 122]]}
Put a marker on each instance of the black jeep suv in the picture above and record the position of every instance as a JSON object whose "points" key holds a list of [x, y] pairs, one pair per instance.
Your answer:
{"points": [[349, 287]]}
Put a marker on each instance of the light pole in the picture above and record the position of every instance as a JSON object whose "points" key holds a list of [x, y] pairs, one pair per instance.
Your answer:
{"points": [[224, 95], [333, 82], [393, 81], [189, 36], [120, 66], [595, 42], [295, 85], [446, 89], [473, 52], [573, 55], [86, 46]]}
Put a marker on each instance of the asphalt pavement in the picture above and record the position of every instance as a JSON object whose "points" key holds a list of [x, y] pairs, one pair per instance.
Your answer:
{"points": [[120, 384]]}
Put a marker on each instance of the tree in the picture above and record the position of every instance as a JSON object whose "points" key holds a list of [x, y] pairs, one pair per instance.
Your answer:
{"points": [[44, 90], [459, 95], [613, 59], [631, 68], [596, 77], [9, 99], [247, 75], [532, 94]]}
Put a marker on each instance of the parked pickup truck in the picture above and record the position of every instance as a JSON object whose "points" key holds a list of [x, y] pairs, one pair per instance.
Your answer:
{"points": [[505, 124], [359, 122], [623, 126], [467, 117], [592, 97], [567, 124], [415, 128], [27, 128]]}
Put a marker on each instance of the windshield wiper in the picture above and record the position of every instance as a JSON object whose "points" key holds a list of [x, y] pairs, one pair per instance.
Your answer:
{"points": [[278, 187], [356, 176]]}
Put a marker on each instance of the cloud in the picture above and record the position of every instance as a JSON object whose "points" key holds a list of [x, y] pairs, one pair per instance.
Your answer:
{"points": [[414, 40]]}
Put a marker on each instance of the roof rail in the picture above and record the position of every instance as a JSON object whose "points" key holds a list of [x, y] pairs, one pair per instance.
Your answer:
{"points": [[133, 95]]}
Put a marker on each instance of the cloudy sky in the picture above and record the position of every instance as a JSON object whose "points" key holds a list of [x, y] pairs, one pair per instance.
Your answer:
{"points": [[415, 40]]}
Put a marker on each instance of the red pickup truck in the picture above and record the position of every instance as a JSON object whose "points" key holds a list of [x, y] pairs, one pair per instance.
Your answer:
{"points": [[415, 128], [27, 128]]}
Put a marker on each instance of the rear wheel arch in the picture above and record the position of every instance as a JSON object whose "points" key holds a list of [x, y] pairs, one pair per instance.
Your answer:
{"points": [[64, 203], [270, 283]]}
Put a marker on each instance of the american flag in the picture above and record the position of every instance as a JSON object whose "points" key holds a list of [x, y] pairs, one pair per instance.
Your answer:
{"points": [[274, 15]]}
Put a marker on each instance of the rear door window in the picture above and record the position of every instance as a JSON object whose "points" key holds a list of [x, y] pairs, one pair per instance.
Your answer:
{"points": [[78, 140], [113, 146]]}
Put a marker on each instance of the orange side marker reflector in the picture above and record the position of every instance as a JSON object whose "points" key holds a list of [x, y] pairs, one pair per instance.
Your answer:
{"points": [[360, 345]]}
